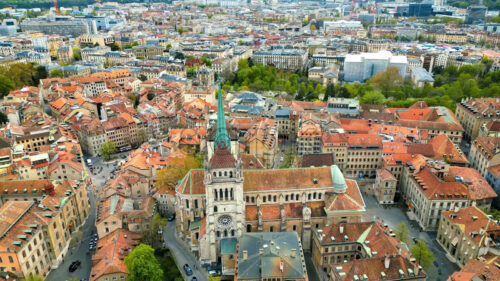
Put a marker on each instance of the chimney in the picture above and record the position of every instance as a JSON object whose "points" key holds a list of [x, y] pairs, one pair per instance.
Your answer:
{"points": [[387, 262], [341, 229], [416, 269], [49, 189], [294, 252], [245, 255]]}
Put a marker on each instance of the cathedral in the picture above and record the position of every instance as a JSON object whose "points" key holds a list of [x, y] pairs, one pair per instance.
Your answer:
{"points": [[223, 200]]}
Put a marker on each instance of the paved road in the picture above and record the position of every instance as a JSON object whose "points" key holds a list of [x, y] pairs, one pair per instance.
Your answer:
{"points": [[393, 216], [80, 252], [182, 255]]}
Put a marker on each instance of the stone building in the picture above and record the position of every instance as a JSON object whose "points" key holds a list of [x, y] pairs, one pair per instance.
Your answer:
{"points": [[224, 201], [473, 113], [384, 188], [467, 234]]}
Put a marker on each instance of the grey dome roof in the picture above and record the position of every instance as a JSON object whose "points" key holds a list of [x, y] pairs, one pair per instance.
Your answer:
{"points": [[338, 178]]}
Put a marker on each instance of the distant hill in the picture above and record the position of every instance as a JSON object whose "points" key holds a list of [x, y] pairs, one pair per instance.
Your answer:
{"points": [[46, 4]]}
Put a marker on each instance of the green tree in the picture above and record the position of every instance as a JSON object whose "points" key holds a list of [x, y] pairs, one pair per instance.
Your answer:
{"points": [[77, 55], [3, 118], [56, 73], [207, 61], [143, 77], [402, 232], [329, 92], [372, 97], [420, 252], [143, 265], [35, 277], [387, 80], [6, 85], [115, 47], [107, 149], [152, 234], [41, 73]]}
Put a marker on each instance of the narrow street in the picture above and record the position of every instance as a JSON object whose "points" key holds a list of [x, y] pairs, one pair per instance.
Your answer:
{"points": [[182, 255], [80, 252]]}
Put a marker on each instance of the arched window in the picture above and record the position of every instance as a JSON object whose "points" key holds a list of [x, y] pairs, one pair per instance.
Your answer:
{"points": [[231, 191], [249, 228], [225, 173], [230, 174], [319, 195], [253, 199], [215, 174], [309, 196], [275, 198], [225, 233], [247, 199], [220, 174], [215, 194], [221, 194], [264, 199], [227, 194], [271, 229], [218, 233], [269, 197], [232, 232], [215, 209], [286, 197], [314, 195], [297, 197]]}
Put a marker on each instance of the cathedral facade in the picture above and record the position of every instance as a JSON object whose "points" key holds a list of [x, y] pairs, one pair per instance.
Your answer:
{"points": [[223, 201]]}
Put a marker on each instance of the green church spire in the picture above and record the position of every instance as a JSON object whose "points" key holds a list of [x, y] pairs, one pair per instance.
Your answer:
{"points": [[221, 136]]}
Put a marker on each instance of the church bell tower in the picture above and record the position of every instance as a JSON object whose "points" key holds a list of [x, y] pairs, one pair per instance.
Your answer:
{"points": [[225, 207]]}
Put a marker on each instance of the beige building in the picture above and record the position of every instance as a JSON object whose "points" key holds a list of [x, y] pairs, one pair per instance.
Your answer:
{"points": [[340, 243], [484, 152], [384, 187], [262, 141], [473, 113], [431, 188], [364, 155], [467, 234], [146, 51]]}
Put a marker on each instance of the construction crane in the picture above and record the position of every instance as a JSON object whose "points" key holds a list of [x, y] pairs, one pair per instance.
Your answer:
{"points": [[55, 6]]}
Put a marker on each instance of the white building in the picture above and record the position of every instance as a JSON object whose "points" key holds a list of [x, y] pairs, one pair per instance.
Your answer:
{"points": [[365, 65]]}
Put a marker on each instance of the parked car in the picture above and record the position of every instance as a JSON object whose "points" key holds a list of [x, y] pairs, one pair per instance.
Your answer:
{"points": [[74, 266], [188, 270], [194, 278], [171, 218]]}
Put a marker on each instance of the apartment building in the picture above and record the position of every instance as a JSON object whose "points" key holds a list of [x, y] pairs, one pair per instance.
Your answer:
{"points": [[35, 236], [433, 187], [473, 113], [490, 129], [384, 187], [117, 131], [23, 246], [309, 138], [263, 255], [484, 153], [32, 139], [341, 243], [467, 233], [286, 59], [146, 51], [337, 145], [364, 155], [92, 136], [262, 141], [389, 268], [111, 250]]}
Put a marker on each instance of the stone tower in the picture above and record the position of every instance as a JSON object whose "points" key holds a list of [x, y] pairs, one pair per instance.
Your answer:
{"points": [[225, 207]]}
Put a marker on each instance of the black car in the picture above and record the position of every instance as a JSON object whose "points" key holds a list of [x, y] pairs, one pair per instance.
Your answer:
{"points": [[74, 266], [188, 270], [194, 278], [171, 218]]}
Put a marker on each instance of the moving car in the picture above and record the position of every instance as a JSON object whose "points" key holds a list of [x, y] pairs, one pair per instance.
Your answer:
{"points": [[188, 270]]}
